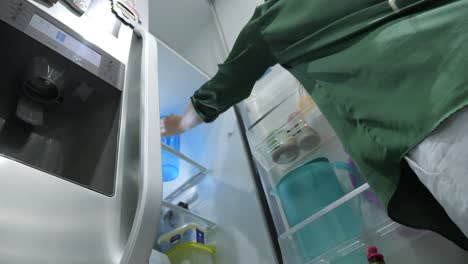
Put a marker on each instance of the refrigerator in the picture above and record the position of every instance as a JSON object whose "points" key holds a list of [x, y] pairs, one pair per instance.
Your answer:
{"points": [[79, 144], [230, 170]]}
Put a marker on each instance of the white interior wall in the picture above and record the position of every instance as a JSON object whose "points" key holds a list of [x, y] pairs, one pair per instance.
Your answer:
{"points": [[177, 81], [205, 50], [233, 15], [189, 28], [177, 22]]}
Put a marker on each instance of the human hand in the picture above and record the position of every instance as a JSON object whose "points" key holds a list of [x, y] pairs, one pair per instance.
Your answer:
{"points": [[174, 125], [171, 126]]}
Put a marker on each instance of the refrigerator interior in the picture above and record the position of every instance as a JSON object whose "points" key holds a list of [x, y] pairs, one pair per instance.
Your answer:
{"points": [[225, 194], [341, 230]]}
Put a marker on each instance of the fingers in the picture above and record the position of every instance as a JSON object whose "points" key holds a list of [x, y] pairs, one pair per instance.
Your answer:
{"points": [[171, 125], [162, 128]]}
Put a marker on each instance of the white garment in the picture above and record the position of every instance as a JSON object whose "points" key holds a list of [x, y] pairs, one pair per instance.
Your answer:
{"points": [[441, 163]]}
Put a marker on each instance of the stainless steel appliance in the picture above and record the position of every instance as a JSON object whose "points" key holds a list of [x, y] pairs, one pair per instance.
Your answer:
{"points": [[80, 178]]}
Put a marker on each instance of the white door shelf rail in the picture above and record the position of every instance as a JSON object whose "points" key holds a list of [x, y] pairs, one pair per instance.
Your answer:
{"points": [[186, 184]]}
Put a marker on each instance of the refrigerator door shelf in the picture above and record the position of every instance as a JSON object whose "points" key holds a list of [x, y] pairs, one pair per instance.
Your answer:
{"points": [[332, 151], [190, 173], [174, 216], [283, 142], [399, 244], [277, 86]]}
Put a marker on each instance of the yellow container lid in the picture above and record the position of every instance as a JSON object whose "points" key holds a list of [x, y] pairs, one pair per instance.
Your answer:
{"points": [[191, 245]]}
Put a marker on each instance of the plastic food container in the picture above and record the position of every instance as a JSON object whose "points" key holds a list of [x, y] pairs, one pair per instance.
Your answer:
{"points": [[283, 142], [307, 138], [189, 233], [191, 253], [308, 189], [158, 258], [284, 148], [186, 245], [170, 162]]}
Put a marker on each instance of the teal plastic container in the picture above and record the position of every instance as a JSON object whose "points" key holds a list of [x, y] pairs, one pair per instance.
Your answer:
{"points": [[308, 189]]}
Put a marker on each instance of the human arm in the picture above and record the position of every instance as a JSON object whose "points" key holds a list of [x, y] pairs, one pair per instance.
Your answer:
{"points": [[234, 81]]}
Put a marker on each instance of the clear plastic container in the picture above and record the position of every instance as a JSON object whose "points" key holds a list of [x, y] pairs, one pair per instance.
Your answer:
{"points": [[158, 258], [189, 233], [174, 217], [284, 124], [170, 162], [270, 91], [285, 139], [192, 253]]}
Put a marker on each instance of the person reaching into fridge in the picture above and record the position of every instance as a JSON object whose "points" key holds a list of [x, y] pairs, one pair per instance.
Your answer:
{"points": [[389, 76]]}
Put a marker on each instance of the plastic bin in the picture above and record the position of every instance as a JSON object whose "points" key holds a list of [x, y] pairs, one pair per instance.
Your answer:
{"points": [[158, 258], [186, 245], [191, 253], [189, 233], [398, 244], [287, 136], [308, 189]]}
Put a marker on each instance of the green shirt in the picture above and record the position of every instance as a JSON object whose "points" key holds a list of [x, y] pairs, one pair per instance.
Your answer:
{"points": [[384, 79]]}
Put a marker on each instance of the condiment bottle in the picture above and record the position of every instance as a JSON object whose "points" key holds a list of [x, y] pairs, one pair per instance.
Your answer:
{"points": [[374, 257]]}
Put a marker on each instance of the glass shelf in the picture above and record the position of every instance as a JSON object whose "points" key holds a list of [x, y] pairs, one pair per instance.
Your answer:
{"points": [[269, 92], [331, 237], [190, 173]]}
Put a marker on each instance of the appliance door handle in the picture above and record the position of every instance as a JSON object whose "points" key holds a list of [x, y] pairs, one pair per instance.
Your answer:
{"points": [[146, 221]]}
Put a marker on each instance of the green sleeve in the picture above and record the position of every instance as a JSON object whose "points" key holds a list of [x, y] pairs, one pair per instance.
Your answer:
{"points": [[247, 62]]}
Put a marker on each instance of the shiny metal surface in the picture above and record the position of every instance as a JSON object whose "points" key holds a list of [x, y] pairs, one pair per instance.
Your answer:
{"points": [[47, 220], [143, 233], [76, 135], [98, 26], [97, 31]]}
